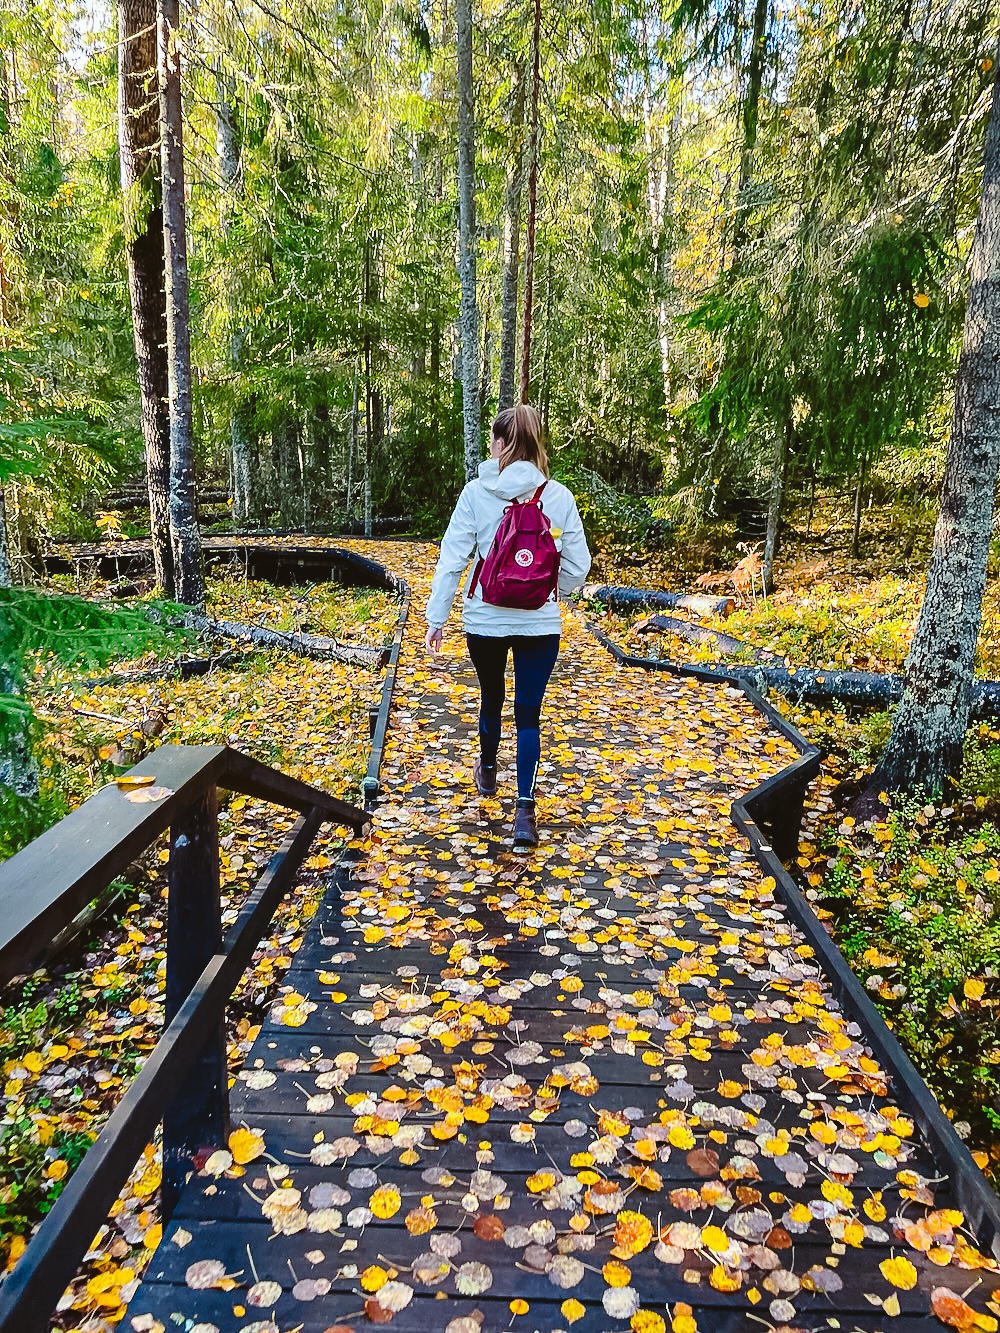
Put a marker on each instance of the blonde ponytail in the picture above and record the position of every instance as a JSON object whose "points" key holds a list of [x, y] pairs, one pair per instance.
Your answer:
{"points": [[520, 428]]}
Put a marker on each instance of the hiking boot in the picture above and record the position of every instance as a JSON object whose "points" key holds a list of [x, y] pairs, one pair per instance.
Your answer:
{"points": [[525, 832], [485, 778]]}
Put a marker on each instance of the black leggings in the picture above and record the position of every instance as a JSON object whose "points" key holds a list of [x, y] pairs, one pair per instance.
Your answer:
{"points": [[534, 658]]}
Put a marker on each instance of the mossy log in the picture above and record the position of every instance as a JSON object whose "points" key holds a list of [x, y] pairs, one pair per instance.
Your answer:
{"points": [[305, 645], [684, 629], [866, 688], [617, 597]]}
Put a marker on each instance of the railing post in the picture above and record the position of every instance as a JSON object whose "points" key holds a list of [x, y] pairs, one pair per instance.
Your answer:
{"points": [[198, 1115], [786, 822]]}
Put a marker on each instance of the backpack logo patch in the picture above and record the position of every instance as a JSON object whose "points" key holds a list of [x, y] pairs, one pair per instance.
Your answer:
{"points": [[524, 557]]}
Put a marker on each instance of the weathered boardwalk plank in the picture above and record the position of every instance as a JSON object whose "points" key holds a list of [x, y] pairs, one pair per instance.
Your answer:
{"points": [[600, 1087]]}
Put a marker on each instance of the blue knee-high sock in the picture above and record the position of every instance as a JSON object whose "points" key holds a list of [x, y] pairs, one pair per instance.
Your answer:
{"points": [[528, 753]]}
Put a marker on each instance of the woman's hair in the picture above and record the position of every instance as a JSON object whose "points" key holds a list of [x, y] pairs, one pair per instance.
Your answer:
{"points": [[520, 428]]}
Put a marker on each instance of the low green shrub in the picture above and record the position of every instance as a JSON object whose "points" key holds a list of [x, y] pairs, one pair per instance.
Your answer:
{"points": [[916, 905]]}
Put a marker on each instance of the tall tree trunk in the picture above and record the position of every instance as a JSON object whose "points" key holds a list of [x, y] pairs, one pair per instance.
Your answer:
{"points": [[512, 250], [138, 140], [18, 769], [751, 115], [486, 376], [352, 448], [546, 386], [929, 725], [242, 444], [286, 453], [320, 472], [661, 148], [529, 252], [244, 447], [469, 316], [369, 414], [373, 399], [185, 541], [6, 572], [10, 213], [779, 464], [859, 491]]}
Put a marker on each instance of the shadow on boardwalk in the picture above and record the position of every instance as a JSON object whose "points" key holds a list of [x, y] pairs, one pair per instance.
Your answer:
{"points": [[601, 1087]]}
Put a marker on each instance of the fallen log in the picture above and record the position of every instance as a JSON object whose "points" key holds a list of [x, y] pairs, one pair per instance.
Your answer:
{"points": [[684, 629], [863, 688], [617, 597], [866, 689], [317, 646]]}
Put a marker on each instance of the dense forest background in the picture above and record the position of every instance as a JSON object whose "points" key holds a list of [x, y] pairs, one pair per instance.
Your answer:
{"points": [[746, 228]]}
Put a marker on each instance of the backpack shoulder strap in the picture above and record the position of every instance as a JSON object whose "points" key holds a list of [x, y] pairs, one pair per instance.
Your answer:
{"points": [[474, 584]]}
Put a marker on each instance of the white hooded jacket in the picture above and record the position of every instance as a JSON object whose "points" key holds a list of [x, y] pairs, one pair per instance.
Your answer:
{"points": [[471, 531]]}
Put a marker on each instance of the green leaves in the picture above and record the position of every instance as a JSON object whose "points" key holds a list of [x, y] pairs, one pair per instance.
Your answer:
{"points": [[76, 632]]}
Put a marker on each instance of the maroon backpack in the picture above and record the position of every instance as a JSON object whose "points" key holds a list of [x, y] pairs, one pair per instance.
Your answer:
{"points": [[522, 568]]}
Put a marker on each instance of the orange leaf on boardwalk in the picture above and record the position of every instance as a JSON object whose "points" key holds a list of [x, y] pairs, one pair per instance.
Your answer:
{"points": [[420, 1220], [955, 1311]]}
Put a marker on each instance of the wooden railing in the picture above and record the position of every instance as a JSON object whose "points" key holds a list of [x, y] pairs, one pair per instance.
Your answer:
{"points": [[184, 1082], [770, 817]]}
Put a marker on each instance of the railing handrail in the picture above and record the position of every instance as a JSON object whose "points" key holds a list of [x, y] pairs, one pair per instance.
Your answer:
{"points": [[45, 884]]}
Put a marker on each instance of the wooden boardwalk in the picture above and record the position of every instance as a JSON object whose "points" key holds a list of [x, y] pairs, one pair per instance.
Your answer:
{"points": [[601, 1087]]}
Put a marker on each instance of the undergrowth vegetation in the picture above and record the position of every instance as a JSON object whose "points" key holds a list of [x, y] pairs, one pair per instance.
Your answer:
{"points": [[914, 901]]}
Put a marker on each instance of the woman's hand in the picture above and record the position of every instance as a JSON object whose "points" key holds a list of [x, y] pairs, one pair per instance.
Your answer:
{"points": [[433, 640]]}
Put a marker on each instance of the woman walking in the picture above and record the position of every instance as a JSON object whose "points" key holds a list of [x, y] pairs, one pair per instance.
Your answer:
{"points": [[503, 502]]}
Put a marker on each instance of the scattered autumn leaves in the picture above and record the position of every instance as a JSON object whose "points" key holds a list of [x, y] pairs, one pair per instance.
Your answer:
{"points": [[586, 1077]]}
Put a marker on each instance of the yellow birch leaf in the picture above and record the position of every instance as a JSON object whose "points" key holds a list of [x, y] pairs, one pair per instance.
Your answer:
{"points": [[899, 1271]]}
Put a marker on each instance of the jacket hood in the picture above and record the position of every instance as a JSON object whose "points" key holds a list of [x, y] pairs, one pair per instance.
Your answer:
{"points": [[520, 478]]}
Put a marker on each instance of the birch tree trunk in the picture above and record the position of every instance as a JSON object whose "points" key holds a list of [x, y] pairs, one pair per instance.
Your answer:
{"points": [[185, 542], [18, 770], [138, 142], [661, 149], [242, 444], [352, 448], [286, 453], [486, 373], [469, 314], [529, 252], [373, 400], [929, 725], [512, 252]]}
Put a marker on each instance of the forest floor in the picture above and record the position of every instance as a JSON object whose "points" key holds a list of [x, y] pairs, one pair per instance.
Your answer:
{"points": [[913, 900]]}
